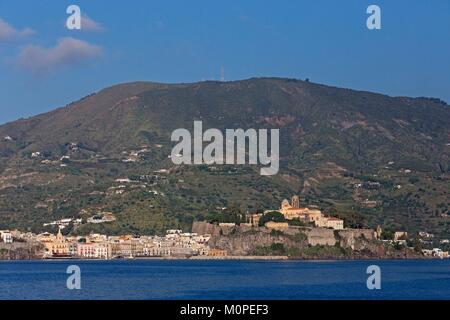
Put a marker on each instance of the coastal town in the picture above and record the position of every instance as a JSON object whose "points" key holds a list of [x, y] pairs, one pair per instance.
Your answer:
{"points": [[290, 219]]}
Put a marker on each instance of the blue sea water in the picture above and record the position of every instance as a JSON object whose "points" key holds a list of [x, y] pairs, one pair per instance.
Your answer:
{"points": [[188, 279]]}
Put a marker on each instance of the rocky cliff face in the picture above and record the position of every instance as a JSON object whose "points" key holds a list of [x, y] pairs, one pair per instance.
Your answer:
{"points": [[244, 243], [21, 251], [300, 242]]}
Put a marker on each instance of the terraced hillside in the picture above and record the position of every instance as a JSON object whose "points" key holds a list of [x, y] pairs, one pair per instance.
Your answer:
{"points": [[368, 158]]}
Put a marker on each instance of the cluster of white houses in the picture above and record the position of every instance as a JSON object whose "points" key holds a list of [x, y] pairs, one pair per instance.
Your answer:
{"points": [[174, 244], [177, 243], [97, 246]]}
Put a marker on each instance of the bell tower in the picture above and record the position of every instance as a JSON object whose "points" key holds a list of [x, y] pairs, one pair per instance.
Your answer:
{"points": [[295, 202]]}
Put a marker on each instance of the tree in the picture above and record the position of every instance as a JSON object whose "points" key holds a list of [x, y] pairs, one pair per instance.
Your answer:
{"points": [[297, 222], [274, 216], [416, 244], [232, 214], [387, 235]]}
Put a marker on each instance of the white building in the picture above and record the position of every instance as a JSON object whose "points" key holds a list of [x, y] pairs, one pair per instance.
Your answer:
{"points": [[93, 250], [6, 236]]}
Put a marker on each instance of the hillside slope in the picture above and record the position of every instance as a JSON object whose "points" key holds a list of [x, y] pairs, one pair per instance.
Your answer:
{"points": [[366, 157]]}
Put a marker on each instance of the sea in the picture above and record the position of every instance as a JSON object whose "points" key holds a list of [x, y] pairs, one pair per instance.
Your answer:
{"points": [[224, 279]]}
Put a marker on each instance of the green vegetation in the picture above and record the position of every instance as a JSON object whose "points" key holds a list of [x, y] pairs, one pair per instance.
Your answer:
{"points": [[366, 158], [275, 249], [274, 216], [387, 235], [297, 223], [325, 251]]}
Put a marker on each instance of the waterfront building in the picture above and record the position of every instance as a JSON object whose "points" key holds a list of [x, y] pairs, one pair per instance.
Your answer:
{"points": [[73, 248], [55, 246], [97, 246], [152, 250], [85, 250], [92, 250], [217, 253], [127, 248], [437, 252]]}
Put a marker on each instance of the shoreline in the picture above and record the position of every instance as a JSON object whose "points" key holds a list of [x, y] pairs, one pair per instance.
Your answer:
{"points": [[230, 258]]}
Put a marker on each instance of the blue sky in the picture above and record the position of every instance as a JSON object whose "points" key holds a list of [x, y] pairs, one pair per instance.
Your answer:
{"points": [[44, 66]]}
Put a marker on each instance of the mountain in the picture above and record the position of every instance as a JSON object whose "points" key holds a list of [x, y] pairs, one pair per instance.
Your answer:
{"points": [[368, 158]]}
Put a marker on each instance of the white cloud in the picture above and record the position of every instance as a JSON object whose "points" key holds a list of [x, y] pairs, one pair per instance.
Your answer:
{"points": [[8, 32], [67, 52], [87, 24]]}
